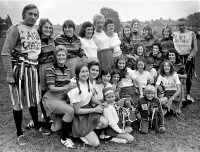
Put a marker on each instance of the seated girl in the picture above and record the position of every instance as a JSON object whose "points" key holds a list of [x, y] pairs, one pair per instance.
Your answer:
{"points": [[152, 71], [115, 78], [110, 113], [149, 111]]}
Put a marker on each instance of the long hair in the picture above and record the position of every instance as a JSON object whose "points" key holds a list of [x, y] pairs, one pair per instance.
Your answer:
{"points": [[170, 32], [144, 49], [84, 26], [149, 29], [177, 58], [122, 71], [127, 25], [162, 71], [115, 71], [77, 71], [143, 60], [42, 22]]}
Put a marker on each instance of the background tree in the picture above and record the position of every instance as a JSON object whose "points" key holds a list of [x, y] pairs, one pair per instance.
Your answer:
{"points": [[110, 13]]}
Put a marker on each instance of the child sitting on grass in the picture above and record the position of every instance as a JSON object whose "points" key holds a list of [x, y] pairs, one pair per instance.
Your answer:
{"points": [[152, 71], [110, 113], [149, 111]]}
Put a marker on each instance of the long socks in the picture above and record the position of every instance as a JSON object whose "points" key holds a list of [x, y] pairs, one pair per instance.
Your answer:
{"points": [[34, 114], [66, 129], [18, 121]]}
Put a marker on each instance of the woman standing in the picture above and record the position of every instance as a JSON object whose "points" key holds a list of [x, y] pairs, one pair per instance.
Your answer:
{"points": [[113, 38], [87, 42], [58, 81], [104, 54], [72, 44], [86, 118], [136, 36]]}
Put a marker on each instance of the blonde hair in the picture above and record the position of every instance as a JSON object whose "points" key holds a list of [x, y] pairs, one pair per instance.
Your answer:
{"points": [[149, 88], [60, 48], [98, 16]]}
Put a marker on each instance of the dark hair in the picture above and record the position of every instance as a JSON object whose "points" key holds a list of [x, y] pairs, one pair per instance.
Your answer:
{"points": [[115, 71], [123, 71], [170, 31], [68, 23], [150, 33], [84, 26], [104, 72], [149, 61], [144, 49], [158, 44], [41, 24], [140, 59], [127, 25], [94, 63], [133, 21], [28, 7], [108, 21], [172, 69], [177, 58], [77, 71]]}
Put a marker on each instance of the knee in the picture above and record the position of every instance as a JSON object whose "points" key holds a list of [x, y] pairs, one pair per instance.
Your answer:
{"points": [[69, 112], [130, 139], [103, 122], [94, 143], [17, 107]]}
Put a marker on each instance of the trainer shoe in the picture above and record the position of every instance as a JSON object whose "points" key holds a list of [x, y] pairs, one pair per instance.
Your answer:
{"points": [[68, 143], [22, 140], [44, 131]]}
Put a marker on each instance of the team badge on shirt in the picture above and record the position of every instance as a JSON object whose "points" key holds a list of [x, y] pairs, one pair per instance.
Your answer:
{"points": [[144, 107]]}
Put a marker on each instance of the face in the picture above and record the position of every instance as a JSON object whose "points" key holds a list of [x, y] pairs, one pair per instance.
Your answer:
{"points": [[111, 28], [115, 78], [150, 95], [135, 27], [149, 67], [140, 50], [31, 17], [165, 50], [181, 26], [155, 50], [166, 67], [47, 30], [61, 57], [140, 66], [121, 64], [88, 32], [106, 78], [94, 72], [110, 98], [166, 33], [146, 32], [84, 74], [99, 25], [127, 32], [172, 57], [69, 31]]}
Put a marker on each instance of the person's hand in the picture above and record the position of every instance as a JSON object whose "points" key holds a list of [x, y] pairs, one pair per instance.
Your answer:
{"points": [[141, 95], [123, 131], [71, 85], [162, 129], [98, 109], [189, 58], [136, 57], [10, 79], [169, 103]]}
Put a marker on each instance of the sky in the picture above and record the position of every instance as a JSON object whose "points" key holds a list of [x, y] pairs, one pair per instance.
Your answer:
{"points": [[83, 10]]}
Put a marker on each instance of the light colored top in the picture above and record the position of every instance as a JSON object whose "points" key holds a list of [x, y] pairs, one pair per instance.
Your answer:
{"points": [[153, 74], [142, 77], [183, 42], [115, 43], [98, 90], [85, 96], [128, 81], [90, 47], [169, 82], [111, 114], [101, 40]]}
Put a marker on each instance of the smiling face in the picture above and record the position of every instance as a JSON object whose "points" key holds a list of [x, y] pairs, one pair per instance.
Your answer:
{"points": [[150, 95], [110, 28], [83, 74], [99, 25], [135, 27], [94, 72], [140, 66], [106, 78], [88, 32], [127, 32], [166, 67], [155, 50], [166, 33], [172, 57], [110, 98], [121, 64], [115, 78], [69, 31], [31, 16], [47, 30], [61, 57], [140, 50]]}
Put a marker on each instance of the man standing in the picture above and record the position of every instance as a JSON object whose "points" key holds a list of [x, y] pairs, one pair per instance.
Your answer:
{"points": [[19, 54], [185, 43]]}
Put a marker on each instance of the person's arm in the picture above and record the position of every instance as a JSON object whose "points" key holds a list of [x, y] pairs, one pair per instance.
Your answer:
{"points": [[12, 37], [139, 84], [194, 47]]}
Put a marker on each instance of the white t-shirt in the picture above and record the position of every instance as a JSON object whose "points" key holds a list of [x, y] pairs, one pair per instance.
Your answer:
{"points": [[98, 90], [101, 40], [85, 96], [111, 114], [90, 47], [115, 43], [128, 81], [169, 82], [143, 78]]}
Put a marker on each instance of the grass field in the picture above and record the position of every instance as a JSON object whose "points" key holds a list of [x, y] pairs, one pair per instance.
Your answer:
{"points": [[182, 135]]}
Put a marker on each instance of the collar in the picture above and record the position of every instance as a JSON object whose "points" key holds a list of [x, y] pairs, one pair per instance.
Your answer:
{"points": [[57, 66]]}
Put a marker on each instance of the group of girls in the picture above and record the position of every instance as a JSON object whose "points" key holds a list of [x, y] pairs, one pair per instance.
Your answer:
{"points": [[83, 78]]}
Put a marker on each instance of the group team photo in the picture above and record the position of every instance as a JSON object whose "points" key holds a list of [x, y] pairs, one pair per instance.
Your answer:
{"points": [[99, 86]]}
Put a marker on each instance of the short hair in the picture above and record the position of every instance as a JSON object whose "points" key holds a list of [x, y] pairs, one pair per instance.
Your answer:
{"points": [[149, 88], [157, 43], [126, 25], [108, 21], [115, 71], [98, 16], [105, 72], [94, 63], [133, 21], [42, 22], [28, 7], [150, 33], [162, 71], [144, 49], [60, 48], [84, 26], [68, 23], [149, 61], [140, 59]]}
